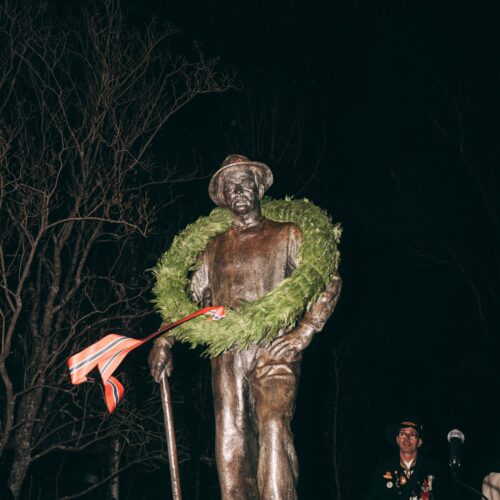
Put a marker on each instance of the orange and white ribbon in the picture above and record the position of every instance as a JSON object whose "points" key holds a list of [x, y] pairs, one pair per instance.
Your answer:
{"points": [[110, 351]]}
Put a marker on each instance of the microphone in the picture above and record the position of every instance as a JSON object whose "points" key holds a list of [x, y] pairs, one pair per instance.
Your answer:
{"points": [[455, 438]]}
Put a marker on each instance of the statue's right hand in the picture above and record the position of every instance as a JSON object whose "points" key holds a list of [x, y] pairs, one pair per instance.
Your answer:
{"points": [[160, 358]]}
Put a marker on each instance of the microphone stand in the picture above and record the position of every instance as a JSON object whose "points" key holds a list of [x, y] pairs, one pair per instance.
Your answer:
{"points": [[465, 485]]}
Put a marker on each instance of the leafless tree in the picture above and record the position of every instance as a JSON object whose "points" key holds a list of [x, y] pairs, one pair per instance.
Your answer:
{"points": [[480, 279], [82, 102]]}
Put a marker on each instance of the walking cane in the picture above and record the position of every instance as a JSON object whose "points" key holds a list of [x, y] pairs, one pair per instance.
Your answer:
{"points": [[108, 353], [166, 402]]}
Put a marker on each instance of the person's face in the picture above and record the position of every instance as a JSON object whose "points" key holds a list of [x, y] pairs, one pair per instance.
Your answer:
{"points": [[408, 440], [241, 191]]}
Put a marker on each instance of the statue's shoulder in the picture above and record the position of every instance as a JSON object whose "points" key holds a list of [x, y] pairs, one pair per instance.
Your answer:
{"points": [[267, 228], [280, 225], [288, 227]]}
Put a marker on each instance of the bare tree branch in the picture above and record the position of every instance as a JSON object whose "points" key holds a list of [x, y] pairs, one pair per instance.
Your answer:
{"points": [[80, 110]]}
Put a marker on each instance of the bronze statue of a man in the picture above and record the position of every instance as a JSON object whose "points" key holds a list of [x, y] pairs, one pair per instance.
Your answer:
{"points": [[254, 389]]}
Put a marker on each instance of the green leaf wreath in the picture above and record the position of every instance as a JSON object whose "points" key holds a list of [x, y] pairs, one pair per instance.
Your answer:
{"points": [[260, 320]]}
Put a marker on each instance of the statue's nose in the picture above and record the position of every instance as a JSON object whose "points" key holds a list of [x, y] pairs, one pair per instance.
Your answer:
{"points": [[238, 188]]}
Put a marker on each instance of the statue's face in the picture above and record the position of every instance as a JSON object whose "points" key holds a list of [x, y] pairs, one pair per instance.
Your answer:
{"points": [[241, 191]]}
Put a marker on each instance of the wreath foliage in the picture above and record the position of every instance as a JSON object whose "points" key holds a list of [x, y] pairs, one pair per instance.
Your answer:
{"points": [[260, 320]]}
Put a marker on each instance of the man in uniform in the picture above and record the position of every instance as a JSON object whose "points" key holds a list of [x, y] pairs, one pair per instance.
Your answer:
{"points": [[407, 475], [254, 389]]}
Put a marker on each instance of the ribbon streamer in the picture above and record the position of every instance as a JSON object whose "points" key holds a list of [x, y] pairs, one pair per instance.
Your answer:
{"points": [[111, 350]]}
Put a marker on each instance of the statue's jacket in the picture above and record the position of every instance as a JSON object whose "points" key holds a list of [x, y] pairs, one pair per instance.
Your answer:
{"points": [[243, 264]]}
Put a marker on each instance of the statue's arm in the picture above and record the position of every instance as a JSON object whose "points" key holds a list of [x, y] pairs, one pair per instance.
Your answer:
{"points": [[313, 321], [199, 287], [160, 356], [317, 316]]}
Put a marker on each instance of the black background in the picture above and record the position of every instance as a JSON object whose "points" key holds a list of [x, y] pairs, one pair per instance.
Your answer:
{"points": [[386, 116], [398, 140]]}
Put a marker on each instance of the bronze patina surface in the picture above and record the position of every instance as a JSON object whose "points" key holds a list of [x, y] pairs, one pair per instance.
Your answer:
{"points": [[254, 389]]}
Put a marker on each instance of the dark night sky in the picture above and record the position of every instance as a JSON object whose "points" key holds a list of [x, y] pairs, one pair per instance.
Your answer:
{"points": [[395, 104], [398, 105]]}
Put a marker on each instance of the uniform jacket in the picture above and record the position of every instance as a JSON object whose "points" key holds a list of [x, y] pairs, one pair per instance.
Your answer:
{"points": [[391, 482]]}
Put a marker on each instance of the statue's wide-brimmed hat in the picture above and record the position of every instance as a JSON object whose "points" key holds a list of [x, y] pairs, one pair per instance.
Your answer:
{"points": [[215, 188]]}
